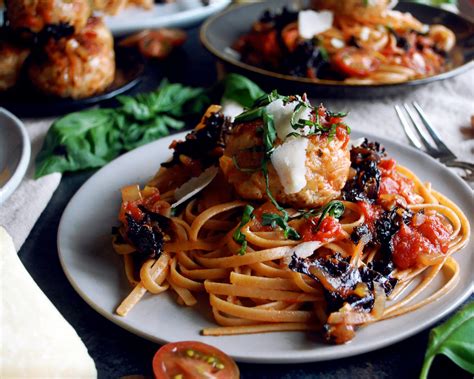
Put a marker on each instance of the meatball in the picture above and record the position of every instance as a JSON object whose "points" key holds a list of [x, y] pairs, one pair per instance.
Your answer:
{"points": [[11, 62], [78, 66], [34, 15], [324, 171]]}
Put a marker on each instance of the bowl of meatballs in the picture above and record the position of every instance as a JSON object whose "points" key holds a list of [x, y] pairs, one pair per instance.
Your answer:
{"points": [[55, 57]]}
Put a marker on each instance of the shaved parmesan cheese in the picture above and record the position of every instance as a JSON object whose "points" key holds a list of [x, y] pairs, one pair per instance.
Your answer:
{"points": [[337, 43], [231, 108], [282, 117], [311, 22], [364, 33], [37, 342], [289, 161], [194, 186], [357, 142]]}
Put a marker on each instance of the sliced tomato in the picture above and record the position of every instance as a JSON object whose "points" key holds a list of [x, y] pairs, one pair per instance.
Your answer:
{"points": [[193, 360], [356, 62]]}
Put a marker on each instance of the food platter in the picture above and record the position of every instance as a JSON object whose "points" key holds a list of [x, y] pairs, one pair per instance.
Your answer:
{"points": [[177, 14], [96, 272], [220, 32]]}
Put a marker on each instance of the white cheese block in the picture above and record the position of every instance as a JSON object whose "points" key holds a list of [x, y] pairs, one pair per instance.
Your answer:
{"points": [[311, 23], [289, 161], [37, 342], [282, 117]]}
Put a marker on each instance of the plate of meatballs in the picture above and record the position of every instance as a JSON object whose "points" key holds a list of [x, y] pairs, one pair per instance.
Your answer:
{"points": [[55, 57]]}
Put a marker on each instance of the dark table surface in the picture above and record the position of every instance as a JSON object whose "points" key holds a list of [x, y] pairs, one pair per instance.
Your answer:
{"points": [[117, 352]]}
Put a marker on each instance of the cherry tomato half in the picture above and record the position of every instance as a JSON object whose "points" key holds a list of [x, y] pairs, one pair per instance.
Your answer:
{"points": [[193, 360], [356, 62]]}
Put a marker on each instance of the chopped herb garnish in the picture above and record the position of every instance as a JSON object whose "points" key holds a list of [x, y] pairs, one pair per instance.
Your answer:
{"points": [[334, 208], [274, 220], [238, 236]]}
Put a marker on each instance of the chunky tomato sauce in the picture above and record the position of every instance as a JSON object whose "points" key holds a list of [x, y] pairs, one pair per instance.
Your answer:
{"points": [[424, 236], [329, 228], [393, 183]]}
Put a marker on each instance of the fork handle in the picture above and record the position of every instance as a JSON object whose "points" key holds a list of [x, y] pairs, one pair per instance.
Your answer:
{"points": [[468, 167]]}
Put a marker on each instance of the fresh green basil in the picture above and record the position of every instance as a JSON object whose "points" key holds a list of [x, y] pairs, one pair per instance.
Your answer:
{"points": [[454, 339], [334, 208], [238, 236], [241, 90], [274, 220]]}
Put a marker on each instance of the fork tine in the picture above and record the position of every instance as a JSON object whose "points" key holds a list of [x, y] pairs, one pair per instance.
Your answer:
{"points": [[421, 132], [436, 138], [408, 131]]}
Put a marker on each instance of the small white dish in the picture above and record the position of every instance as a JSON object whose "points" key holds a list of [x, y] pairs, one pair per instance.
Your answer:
{"points": [[96, 271], [178, 14], [15, 151]]}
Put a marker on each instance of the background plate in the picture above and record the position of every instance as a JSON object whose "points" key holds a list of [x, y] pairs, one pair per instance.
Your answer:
{"points": [[15, 151], [95, 270], [221, 31], [179, 14]]}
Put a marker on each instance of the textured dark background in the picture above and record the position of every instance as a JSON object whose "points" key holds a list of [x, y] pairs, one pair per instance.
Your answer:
{"points": [[117, 352]]}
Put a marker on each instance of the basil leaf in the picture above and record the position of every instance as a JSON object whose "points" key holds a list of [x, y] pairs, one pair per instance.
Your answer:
{"points": [[78, 141], [250, 115], [334, 208], [92, 138], [238, 236], [241, 90], [455, 339], [274, 220]]}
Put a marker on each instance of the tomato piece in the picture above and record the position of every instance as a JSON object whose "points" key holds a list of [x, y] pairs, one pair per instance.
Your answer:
{"points": [[290, 36], [356, 62], [152, 47], [193, 360], [175, 37], [426, 236], [329, 228]]}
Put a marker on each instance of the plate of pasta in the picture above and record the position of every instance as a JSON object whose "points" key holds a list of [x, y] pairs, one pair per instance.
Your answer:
{"points": [[277, 236], [352, 47]]}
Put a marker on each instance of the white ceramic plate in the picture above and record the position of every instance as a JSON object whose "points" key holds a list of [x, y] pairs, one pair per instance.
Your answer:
{"points": [[15, 153], [96, 272], [178, 14]]}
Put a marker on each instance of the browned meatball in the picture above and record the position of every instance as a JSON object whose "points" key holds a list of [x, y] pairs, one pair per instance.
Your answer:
{"points": [[78, 66], [34, 15], [327, 164], [11, 61]]}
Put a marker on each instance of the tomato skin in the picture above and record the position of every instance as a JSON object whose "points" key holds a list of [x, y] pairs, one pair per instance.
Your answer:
{"points": [[329, 228], [175, 358], [355, 62]]}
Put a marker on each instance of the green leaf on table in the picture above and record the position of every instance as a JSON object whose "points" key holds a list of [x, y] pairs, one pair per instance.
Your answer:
{"points": [[241, 89], [91, 138], [454, 339], [79, 140]]}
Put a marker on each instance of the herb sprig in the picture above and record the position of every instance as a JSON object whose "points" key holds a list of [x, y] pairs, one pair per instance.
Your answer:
{"points": [[238, 236]]}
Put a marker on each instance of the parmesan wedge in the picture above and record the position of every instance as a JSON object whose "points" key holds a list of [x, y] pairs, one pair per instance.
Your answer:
{"points": [[37, 342]]}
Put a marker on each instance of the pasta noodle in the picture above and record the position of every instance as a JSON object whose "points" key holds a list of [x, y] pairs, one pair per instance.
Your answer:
{"points": [[367, 43], [258, 291]]}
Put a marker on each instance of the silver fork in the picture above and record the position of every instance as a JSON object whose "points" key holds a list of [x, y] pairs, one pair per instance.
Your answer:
{"points": [[440, 151]]}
